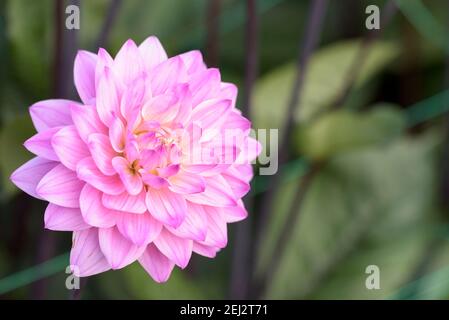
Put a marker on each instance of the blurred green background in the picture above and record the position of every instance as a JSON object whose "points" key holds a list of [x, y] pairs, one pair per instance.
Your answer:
{"points": [[380, 198]]}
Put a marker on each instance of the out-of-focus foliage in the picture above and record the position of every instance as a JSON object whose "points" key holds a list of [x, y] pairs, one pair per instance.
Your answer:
{"points": [[342, 131], [12, 136], [325, 78], [367, 207]]}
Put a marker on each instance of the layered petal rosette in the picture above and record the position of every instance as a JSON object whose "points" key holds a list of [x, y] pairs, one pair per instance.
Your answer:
{"points": [[150, 166]]}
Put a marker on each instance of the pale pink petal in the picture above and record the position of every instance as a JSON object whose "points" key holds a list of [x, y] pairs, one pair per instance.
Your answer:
{"points": [[158, 266], [168, 73], [194, 225], [246, 171], [239, 185], [177, 249], [88, 172], [250, 151], [154, 181], [204, 85], [47, 114], [69, 147], [86, 121], [132, 100], [228, 91], [64, 219], [236, 121], [117, 135], [61, 186], [193, 61], [40, 144], [27, 176], [210, 115], [152, 52], [217, 234], [217, 193], [141, 229], [118, 250], [108, 106], [86, 258], [126, 202], [166, 206], [101, 150], [128, 63], [187, 183], [131, 180], [162, 108], [206, 251], [93, 210], [234, 214], [168, 171], [84, 75], [103, 60]]}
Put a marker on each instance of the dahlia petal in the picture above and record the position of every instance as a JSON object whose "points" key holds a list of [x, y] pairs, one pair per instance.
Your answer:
{"points": [[69, 147], [250, 151], [141, 229], [161, 108], [127, 71], [152, 52], [168, 171], [210, 115], [86, 258], [166, 206], [104, 59], [177, 249], [117, 135], [168, 73], [40, 144], [206, 251], [125, 202], [194, 225], [217, 234], [236, 121], [84, 75], [204, 85], [132, 100], [154, 181], [238, 185], [61, 186], [118, 250], [107, 97], [131, 180], [47, 114], [158, 266], [86, 121], [59, 218], [186, 183], [246, 171], [93, 211], [27, 176], [234, 214], [217, 193], [193, 60], [102, 152], [88, 172], [228, 91]]}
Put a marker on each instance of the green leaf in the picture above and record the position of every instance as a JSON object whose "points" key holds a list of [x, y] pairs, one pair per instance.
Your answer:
{"points": [[325, 79], [367, 207], [344, 130], [12, 153]]}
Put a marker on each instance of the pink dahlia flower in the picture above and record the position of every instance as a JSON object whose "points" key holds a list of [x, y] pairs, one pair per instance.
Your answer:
{"points": [[151, 166]]}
